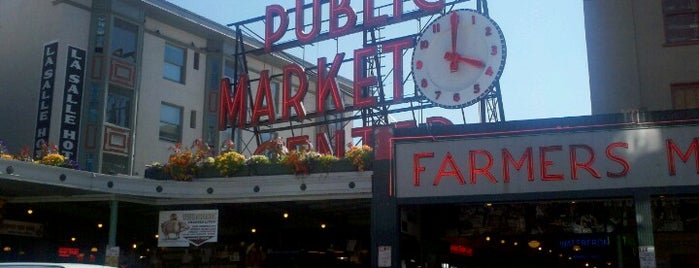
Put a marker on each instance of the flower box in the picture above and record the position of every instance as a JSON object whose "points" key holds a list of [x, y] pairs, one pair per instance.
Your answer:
{"points": [[156, 173], [341, 165], [268, 169]]}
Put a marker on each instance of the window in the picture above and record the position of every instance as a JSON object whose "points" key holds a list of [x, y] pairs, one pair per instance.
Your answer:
{"points": [[196, 61], [681, 21], [685, 96], [173, 69], [119, 107], [124, 36], [115, 164], [192, 119], [170, 123]]}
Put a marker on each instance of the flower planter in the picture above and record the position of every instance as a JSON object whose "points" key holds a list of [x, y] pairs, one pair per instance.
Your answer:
{"points": [[269, 169], [156, 174], [342, 165], [207, 172]]}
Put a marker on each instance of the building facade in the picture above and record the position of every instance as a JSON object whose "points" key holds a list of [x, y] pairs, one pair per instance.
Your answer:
{"points": [[560, 192], [116, 84], [614, 189], [642, 56]]}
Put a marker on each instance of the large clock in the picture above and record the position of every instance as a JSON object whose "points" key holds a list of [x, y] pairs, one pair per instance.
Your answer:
{"points": [[458, 58]]}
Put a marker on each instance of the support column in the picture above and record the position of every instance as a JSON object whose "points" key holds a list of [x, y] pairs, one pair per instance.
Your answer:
{"points": [[113, 219], [644, 230], [384, 220]]}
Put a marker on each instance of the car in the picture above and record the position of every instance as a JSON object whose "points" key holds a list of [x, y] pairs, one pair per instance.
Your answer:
{"points": [[49, 265]]}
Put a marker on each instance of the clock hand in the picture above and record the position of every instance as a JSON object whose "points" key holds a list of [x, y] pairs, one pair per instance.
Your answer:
{"points": [[456, 58], [454, 21]]}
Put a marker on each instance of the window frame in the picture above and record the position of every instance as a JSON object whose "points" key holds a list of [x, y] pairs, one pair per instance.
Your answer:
{"points": [[169, 63], [125, 94], [123, 31], [684, 88], [178, 125], [670, 14]]}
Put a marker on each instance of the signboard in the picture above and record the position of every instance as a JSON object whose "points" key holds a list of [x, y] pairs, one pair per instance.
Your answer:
{"points": [[182, 228], [549, 162], [384, 256], [72, 102], [21, 228], [646, 255], [48, 80], [239, 108], [111, 256]]}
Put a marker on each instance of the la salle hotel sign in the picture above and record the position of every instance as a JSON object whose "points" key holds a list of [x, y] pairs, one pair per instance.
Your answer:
{"points": [[234, 107]]}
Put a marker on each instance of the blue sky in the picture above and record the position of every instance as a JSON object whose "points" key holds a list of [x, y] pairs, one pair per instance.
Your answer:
{"points": [[545, 75]]}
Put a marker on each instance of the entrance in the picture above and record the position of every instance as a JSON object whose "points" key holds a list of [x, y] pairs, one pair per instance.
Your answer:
{"points": [[557, 233]]}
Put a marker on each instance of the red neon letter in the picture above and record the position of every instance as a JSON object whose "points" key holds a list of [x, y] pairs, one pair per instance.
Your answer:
{"points": [[339, 143], [485, 170], [438, 120], [587, 165], [296, 101], [327, 84], [369, 19], [397, 10], [337, 9], [293, 142], [453, 172], [263, 100], [616, 158], [430, 7], [545, 164], [507, 159], [417, 168], [396, 47], [229, 109], [365, 133], [362, 99], [323, 143], [315, 25], [405, 124], [672, 148], [272, 36]]}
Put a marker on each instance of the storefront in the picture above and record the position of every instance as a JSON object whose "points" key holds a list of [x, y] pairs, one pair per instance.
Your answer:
{"points": [[597, 191]]}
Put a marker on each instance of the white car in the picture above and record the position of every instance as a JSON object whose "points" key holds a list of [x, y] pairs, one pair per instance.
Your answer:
{"points": [[49, 265]]}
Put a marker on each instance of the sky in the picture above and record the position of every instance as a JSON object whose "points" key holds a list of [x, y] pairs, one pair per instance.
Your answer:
{"points": [[545, 75]]}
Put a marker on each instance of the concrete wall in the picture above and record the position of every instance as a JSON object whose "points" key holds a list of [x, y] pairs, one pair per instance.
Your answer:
{"points": [[630, 66], [154, 90], [25, 27]]}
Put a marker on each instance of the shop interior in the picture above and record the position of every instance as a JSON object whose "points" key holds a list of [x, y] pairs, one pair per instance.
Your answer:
{"points": [[562, 233], [305, 233]]}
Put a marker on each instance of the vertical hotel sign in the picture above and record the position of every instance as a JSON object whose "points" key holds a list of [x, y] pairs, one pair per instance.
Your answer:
{"points": [[72, 101], [48, 80]]}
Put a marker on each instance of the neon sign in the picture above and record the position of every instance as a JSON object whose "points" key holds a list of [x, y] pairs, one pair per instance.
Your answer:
{"points": [[234, 107]]}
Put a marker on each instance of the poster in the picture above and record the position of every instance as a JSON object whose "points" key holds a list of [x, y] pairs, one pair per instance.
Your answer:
{"points": [[384, 256], [646, 255], [112, 257], [182, 228]]}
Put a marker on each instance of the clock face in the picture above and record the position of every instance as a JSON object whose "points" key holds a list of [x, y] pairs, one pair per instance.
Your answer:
{"points": [[458, 58]]}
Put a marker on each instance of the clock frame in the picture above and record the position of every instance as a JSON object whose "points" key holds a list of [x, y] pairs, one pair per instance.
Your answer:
{"points": [[458, 58]]}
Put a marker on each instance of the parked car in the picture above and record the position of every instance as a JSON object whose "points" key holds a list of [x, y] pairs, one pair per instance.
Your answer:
{"points": [[49, 265]]}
